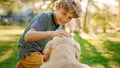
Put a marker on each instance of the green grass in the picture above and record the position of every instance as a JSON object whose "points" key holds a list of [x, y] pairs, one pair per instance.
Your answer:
{"points": [[8, 54], [8, 45], [99, 52]]}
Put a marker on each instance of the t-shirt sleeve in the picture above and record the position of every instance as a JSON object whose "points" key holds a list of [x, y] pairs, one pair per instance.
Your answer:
{"points": [[40, 22]]}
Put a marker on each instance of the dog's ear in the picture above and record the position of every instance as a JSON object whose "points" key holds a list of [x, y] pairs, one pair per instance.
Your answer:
{"points": [[47, 51], [77, 50]]}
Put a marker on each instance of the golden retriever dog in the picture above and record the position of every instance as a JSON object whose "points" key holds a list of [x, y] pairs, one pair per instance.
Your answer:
{"points": [[62, 53]]}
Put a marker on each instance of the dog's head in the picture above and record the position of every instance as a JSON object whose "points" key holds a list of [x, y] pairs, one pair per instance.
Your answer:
{"points": [[56, 41]]}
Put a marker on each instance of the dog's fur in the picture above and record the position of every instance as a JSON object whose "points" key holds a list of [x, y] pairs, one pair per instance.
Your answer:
{"points": [[62, 53]]}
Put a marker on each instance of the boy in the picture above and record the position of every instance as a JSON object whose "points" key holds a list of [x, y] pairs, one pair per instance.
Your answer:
{"points": [[42, 28]]}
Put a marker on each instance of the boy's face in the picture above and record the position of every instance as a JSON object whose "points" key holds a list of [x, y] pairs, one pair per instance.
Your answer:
{"points": [[63, 17]]}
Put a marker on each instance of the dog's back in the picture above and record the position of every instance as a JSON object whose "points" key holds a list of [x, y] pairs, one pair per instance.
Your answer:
{"points": [[64, 64]]}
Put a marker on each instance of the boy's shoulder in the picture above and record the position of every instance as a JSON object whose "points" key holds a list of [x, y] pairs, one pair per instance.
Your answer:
{"points": [[46, 14]]}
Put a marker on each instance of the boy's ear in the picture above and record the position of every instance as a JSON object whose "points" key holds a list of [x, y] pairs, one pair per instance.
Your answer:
{"points": [[47, 52], [77, 50]]}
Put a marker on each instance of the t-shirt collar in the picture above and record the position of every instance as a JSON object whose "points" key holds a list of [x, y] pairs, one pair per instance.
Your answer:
{"points": [[56, 25]]}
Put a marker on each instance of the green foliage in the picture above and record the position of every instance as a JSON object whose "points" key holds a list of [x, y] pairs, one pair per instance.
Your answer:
{"points": [[52, 1], [102, 19], [5, 0], [86, 30], [11, 6], [97, 16]]}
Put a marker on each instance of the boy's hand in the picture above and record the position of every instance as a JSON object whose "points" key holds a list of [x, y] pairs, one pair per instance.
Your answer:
{"points": [[60, 33]]}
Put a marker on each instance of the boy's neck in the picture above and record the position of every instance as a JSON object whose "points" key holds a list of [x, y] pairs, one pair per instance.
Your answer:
{"points": [[54, 17]]}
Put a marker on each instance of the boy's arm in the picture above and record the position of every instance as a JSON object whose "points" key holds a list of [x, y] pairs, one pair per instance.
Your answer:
{"points": [[34, 35]]}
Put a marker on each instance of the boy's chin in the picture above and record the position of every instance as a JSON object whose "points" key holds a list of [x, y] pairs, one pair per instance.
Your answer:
{"points": [[61, 24]]}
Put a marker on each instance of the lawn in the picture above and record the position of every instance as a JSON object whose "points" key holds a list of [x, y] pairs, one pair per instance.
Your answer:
{"points": [[99, 51], [8, 45]]}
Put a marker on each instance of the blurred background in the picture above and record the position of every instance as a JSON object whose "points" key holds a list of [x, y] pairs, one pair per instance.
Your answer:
{"points": [[97, 30]]}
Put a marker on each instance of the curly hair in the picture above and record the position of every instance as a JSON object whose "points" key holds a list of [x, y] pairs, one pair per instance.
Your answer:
{"points": [[69, 6]]}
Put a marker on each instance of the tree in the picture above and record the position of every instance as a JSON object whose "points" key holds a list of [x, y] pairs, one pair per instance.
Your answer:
{"points": [[119, 13], [10, 6], [86, 17]]}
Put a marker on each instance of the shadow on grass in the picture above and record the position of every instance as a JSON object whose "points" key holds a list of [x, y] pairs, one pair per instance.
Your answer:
{"points": [[89, 55], [114, 50], [92, 56], [9, 52]]}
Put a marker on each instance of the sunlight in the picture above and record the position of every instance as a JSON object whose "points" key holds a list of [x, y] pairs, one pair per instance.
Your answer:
{"points": [[110, 2], [113, 64], [106, 55], [87, 47], [98, 45], [89, 36], [98, 66], [110, 55], [100, 49], [99, 3], [115, 39], [5, 34], [5, 38], [85, 36], [73, 34], [12, 31], [6, 55]]}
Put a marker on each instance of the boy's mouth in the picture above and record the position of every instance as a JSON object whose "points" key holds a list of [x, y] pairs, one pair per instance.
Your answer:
{"points": [[61, 21]]}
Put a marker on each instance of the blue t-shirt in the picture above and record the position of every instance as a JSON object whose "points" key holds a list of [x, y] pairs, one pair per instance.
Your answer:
{"points": [[41, 22]]}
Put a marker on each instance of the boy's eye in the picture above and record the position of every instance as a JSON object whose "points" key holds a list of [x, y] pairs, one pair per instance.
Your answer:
{"points": [[70, 17], [64, 13]]}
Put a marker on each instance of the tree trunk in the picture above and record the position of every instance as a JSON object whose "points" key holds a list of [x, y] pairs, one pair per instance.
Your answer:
{"points": [[86, 19], [119, 14]]}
